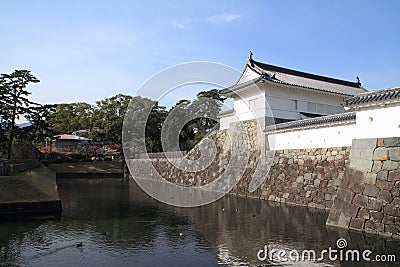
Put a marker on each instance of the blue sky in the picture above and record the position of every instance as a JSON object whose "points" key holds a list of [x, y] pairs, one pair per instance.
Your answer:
{"points": [[90, 50]]}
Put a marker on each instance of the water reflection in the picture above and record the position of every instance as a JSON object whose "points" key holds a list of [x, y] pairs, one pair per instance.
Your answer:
{"points": [[119, 225]]}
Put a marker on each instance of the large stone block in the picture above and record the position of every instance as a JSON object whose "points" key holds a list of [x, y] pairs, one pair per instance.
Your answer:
{"points": [[345, 195], [374, 204], [395, 192], [350, 210], [397, 222], [394, 153], [353, 179], [391, 229], [391, 141], [376, 166], [360, 200], [357, 224], [364, 143], [396, 201], [389, 165], [361, 164], [384, 185], [376, 216], [355, 153], [392, 209], [333, 218], [370, 178], [387, 219], [370, 227], [371, 190], [382, 176], [394, 176], [380, 227], [363, 214], [366, 153], [385, 195], [381, 153], [344, 221]]}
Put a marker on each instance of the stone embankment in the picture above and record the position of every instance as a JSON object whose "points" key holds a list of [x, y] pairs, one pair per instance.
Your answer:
{"points": [[368, 198], [30, 193], [359, 185], [89, 170]]}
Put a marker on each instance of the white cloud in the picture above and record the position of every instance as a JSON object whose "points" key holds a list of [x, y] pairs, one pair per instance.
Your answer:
{"points": [[178, 25], [224, 17]]}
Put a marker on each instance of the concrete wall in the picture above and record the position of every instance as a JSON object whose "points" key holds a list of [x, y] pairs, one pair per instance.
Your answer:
{"points": [[377, 122], [373, 122], [318, 137]]}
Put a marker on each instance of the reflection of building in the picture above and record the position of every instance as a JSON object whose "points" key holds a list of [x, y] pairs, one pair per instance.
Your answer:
{"points": [[290, 94], [70, 141]]}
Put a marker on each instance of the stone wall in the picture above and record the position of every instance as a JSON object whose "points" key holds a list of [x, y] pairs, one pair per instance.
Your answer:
{"points": [[244, 138], [306, 177], [368, 198], [359, 184], [31, 193]]}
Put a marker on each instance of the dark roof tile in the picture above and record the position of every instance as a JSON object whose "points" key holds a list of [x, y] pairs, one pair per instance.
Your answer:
{"points": [[336, 118], [375, 97], [307, 80]]}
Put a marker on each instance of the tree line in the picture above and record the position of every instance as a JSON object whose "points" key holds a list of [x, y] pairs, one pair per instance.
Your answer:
{"points": [[102, 121]]}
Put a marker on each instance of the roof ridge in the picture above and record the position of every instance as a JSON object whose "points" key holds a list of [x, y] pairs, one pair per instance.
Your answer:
{"points": [[369, 98], [334, 118], [269, 67]]}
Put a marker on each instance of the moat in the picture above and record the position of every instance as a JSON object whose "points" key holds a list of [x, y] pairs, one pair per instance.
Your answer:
{"points": [[119, 225]]}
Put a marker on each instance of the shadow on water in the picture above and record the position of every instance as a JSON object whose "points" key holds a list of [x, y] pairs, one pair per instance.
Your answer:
{"points": [[119, 225]]}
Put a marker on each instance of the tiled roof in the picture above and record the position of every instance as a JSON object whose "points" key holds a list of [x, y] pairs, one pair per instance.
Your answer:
{"points": [[240, 86], [228, 112], [374, 98], [348, 117], [306, 80]]}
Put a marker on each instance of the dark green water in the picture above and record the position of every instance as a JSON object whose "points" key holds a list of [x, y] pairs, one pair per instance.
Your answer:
{"points": [[121, 226]]}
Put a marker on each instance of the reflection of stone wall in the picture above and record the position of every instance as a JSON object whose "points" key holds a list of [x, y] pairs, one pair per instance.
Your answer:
{"points": [[369, 198]]}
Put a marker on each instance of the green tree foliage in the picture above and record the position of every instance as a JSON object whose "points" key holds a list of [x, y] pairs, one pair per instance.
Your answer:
{"points": [[40, 128], [14, 102], [201, 116], [207, 105], [109, 116], [71, 117], [104, 120], [153, 128], [180, 113]]}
